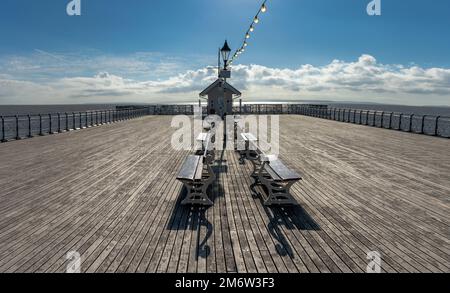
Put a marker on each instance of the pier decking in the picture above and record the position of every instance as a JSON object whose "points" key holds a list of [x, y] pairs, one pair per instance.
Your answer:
{"points": [[110, 194]]}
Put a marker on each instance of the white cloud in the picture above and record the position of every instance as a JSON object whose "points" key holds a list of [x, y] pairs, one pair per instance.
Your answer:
{"points": [[364, 80]]}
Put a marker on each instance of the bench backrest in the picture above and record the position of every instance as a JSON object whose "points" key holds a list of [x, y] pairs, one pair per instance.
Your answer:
{"points": [[189, 168], [273, 165], [279, 171]]}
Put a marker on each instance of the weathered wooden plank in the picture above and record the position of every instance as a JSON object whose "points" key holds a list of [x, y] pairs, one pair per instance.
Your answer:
{"points": [[111, 194]]}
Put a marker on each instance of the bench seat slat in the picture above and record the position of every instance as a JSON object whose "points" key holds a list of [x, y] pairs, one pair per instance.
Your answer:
{"points": [[189, 169], [280, 172]]}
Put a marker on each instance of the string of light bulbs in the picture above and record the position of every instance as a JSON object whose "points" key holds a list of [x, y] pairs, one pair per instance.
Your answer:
{"points": [[251, 29]]}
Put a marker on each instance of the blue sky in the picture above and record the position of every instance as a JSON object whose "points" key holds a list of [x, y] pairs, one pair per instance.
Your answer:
{"points": [[149, 41]]}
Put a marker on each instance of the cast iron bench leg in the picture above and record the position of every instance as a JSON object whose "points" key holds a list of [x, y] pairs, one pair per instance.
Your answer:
{"points": [[279, 192], [197, 191]]}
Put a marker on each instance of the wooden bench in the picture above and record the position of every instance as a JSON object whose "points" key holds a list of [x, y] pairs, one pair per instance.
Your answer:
{"points": [[197, 176], [271, 173]]}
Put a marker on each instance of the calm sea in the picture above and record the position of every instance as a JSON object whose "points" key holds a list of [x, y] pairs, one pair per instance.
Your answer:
{"points": [[50, 109]]}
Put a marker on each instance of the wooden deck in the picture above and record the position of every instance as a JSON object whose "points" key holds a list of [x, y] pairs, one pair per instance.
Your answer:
{"points": [[110, 193]]}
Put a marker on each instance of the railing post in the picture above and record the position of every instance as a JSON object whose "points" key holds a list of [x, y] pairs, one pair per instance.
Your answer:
{"points": [[96, 118], [422, 131], [41, 133], [59, 123], [367, 118], [436, 128], [360, 117], [382, 120], [74, 122], [81, 121], [400, 122], [92, 118], [86, 119], [67, 122], [50, 124], [390, 120], [30, 134], [3, 130], [411, 122], [17, 128]]}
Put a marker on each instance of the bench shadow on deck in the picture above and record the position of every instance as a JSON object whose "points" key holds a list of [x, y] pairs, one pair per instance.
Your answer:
{"points": [[193, 218]]}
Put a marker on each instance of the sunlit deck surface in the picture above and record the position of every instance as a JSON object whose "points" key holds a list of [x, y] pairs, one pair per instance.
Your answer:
{"points": [[110, 193]]}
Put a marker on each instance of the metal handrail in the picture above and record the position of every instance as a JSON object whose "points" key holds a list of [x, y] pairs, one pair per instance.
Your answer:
{"points": [[13, 125]]}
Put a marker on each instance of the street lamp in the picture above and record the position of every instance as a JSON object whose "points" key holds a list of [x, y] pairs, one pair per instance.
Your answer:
{"points": [[225, 51]]}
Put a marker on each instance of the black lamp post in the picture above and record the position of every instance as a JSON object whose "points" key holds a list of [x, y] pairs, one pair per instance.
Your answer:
{"points": [[225, 51]]}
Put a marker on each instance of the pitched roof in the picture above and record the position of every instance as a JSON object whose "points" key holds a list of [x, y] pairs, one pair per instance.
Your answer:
{"points": [[220, 83]]}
